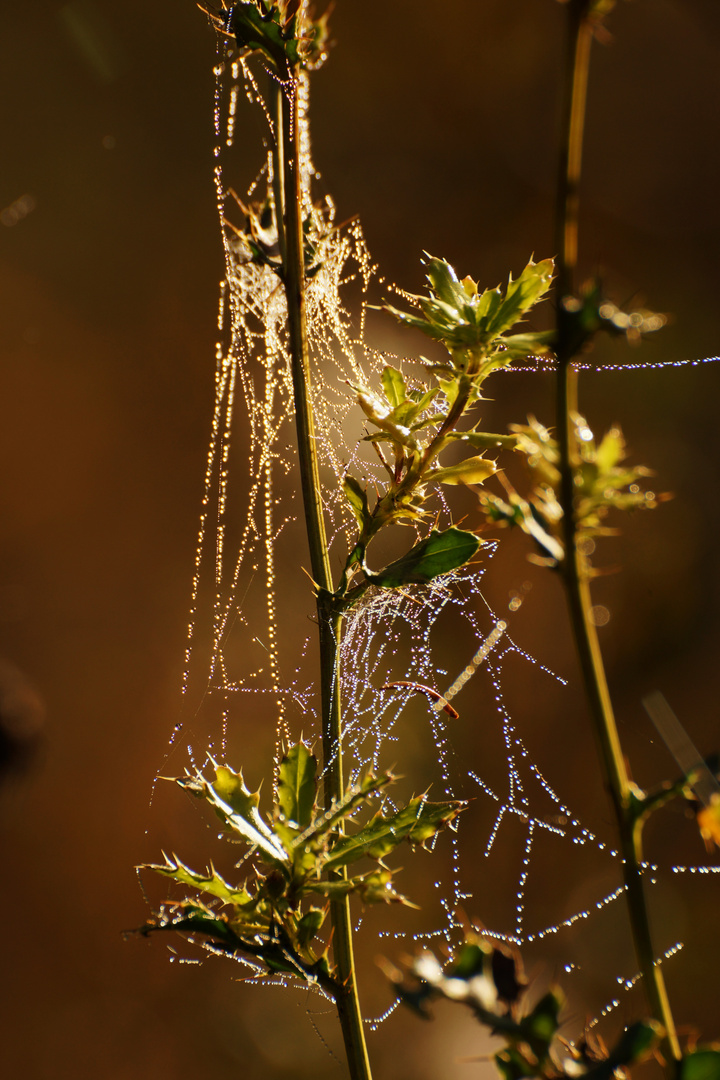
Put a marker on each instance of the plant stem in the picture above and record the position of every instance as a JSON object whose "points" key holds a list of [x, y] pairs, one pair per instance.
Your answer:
{"points": [[574, 570], [288, 197]]}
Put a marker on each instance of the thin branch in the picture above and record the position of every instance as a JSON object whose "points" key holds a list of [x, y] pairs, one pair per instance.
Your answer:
{"points": [[288, 196], [574, 572]]}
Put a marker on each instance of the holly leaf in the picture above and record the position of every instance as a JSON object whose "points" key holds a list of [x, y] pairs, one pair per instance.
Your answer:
{"points": [[535, 343], [309, 925], [372, 888], [483, 440], [437, 554], [473, 470], [195, 918], [416, 822], [394, 386], [356, 495], [353, 798], [520, 295], [297, 786], [210, 882], [237, 808]]}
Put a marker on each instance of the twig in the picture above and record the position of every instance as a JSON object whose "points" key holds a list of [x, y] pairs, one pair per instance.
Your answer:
{"points": [[629, 825]]}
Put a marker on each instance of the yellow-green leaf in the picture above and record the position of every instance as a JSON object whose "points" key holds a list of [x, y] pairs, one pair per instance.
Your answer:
{"points": [[297, 785], [473, 470], [437, 554]]}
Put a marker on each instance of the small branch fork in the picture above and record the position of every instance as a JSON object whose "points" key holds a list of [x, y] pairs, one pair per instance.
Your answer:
{"points": [[581, 28]]}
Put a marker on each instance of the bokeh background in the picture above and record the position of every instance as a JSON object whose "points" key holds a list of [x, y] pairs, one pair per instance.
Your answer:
{"points": [[437, 124]]}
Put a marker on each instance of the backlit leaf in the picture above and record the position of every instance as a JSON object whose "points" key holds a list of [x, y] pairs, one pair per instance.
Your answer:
{"points": [[472, 470], [437, 554], [482, 440], [262, 838], [210, 883], [297, 785], [357, 497], [394, 386], [309, 925], [416, 822], [520, 295]]}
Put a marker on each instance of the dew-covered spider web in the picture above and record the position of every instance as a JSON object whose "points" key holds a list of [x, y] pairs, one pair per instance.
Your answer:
{"points": [[425, 670]]}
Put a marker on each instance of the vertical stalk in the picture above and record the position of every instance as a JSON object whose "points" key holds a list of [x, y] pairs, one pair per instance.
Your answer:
{"points": [[580, 33], [288, 202]]}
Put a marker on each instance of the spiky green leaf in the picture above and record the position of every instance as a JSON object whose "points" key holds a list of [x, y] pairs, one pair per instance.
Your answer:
{"points": [[437, 554], [520, 295], [211, 882], [251, 828], [473, 470], [520, 346], [483, 440], [416, 822], [297, 785], [195, 918], [393, 385]]}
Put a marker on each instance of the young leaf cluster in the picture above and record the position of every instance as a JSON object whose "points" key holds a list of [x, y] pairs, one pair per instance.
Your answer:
{"points": [[277, 30], [602, 483], [489, 980], [275, 915], [413, 426]]}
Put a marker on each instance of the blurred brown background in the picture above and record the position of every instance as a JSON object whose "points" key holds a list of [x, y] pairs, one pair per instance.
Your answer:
{"points": [[436, 123]]}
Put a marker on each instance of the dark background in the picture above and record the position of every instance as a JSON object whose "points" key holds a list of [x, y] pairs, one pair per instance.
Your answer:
{"points": [[437, 123]]}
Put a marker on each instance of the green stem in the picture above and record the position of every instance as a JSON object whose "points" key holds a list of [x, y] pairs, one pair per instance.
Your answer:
{"points": [[574, 570], [288, 196]]}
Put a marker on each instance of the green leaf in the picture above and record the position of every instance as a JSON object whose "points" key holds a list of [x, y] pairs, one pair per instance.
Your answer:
{"points": [[416, 404], [416, 822], [236, 807], [353, 798], [210, 883], [230, 786], [701, 1064], [418, 322], [488, 305], [309, 926], [394, 386], [444, 281], [611, 451], [356, 495], [520, 346], [450, 388], [473, 470], [194, 918], [482, 440], [437, 554], [520, 295], [297, 785], [374, 887], [252, 828]]}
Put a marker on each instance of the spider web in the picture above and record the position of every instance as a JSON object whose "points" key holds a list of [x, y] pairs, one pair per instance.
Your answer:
{"points": [[250, 652]]}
